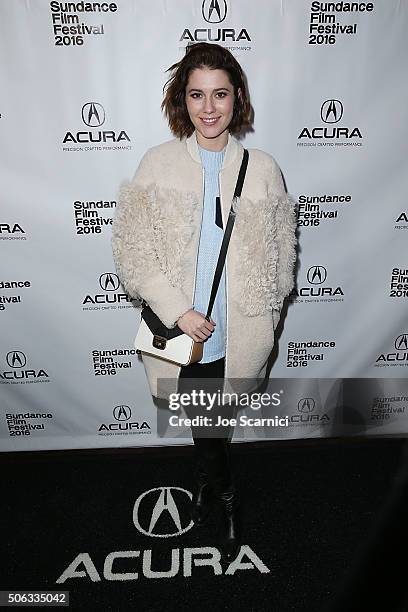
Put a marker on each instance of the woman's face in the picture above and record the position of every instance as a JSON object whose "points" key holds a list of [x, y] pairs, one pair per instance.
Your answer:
{"points": [[210, 105]]}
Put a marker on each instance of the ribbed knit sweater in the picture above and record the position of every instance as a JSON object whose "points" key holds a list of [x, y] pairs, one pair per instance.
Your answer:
{"points": [[209, 247]]}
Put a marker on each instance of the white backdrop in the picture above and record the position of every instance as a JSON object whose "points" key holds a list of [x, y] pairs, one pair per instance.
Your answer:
{"points": [[81, 86]]}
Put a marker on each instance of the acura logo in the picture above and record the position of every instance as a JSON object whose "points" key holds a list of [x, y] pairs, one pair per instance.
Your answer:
{"points": [[109, 281], [214, 11], [306, 404], [93, 114], [122, 413], [401, 342], [163, 506], [16, 359], [316, 275], [331, 111]]}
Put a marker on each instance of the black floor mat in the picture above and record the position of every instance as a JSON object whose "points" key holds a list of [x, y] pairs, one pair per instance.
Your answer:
{"points": [[111, 519]]}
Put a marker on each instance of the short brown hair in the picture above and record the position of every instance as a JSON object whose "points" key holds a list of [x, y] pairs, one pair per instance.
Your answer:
{"points": [[199, 55]]}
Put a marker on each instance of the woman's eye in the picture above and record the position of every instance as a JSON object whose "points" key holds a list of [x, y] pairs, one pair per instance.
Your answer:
{"points": [[219, 94]]}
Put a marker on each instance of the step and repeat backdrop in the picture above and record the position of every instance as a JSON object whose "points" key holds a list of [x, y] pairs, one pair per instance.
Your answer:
{"points": [[81, 87]]}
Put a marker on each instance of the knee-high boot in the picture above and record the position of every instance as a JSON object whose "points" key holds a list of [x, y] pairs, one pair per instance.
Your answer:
{"points": [[229, 515], [208, 462]]}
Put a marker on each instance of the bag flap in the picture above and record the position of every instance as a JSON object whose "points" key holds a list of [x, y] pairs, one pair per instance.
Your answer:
{"points": [[157, 327]]}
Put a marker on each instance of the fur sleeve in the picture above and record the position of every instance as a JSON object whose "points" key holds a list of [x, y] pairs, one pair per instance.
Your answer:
{"points": [[286, 225], [133, 249]]}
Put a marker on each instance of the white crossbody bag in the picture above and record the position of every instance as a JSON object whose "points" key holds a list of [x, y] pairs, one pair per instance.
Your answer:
{"points": [[172, 344]]}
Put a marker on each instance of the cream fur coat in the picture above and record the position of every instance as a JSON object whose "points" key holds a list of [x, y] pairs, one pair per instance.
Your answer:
{"points": [[155, 239]]}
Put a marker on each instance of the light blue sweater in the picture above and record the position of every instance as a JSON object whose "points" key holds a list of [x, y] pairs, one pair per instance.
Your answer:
{"points": [[209, 247]]}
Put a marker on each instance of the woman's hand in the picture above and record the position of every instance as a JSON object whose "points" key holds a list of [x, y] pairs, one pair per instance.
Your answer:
{"points": [[195, 325]]}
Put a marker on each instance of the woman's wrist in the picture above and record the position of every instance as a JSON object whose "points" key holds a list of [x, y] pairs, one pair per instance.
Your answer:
{"points": [[192, 308]]}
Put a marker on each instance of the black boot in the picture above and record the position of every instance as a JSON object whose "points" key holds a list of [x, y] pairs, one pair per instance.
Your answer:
{"points": [[202, 500], [229, 533]]}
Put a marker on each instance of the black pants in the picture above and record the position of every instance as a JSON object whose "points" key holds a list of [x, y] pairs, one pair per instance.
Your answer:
{"points": [[211, 452]]}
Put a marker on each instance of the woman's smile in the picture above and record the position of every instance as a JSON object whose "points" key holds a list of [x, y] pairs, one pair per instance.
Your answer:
{"points": [[209, 120]]}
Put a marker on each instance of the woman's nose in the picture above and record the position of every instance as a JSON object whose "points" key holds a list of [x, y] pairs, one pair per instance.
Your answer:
{"points": [[209, 105]]}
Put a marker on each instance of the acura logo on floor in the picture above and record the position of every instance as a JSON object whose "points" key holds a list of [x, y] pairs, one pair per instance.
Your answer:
{"points": [[158, 508], [165, 507]]}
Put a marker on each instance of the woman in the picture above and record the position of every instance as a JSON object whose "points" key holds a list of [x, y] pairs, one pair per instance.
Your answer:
{"points": [[167, 233]]}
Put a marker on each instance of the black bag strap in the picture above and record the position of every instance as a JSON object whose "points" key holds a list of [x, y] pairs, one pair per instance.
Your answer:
{"points": [[227, 233]]}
